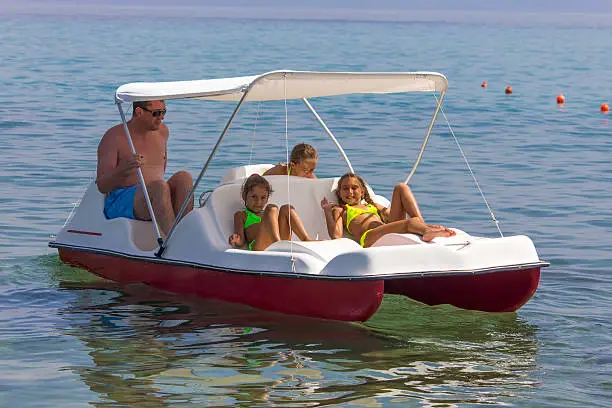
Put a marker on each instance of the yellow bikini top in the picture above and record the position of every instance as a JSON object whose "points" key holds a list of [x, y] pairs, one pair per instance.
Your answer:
{"points": [[352, 212]]}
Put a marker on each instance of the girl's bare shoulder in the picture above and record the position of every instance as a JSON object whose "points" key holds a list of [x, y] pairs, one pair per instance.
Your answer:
{"points": [[379, 207], [278, 170]]}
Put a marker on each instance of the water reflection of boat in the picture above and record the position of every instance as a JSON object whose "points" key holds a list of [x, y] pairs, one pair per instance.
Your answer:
{"points": [[149, 348]]}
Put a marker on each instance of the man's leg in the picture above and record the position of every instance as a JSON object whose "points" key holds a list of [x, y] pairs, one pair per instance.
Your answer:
{"points": [[159, 192], [180, 184]]}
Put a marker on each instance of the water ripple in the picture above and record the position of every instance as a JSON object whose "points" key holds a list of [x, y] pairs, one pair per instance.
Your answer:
{"points": [[69, 338]]}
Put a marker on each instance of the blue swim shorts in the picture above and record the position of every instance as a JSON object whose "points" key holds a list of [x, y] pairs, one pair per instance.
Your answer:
{"points": [[120, 203]]}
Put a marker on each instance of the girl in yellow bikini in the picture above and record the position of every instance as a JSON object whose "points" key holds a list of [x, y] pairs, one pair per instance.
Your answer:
{"points": [[368, 221], [261, 224]]}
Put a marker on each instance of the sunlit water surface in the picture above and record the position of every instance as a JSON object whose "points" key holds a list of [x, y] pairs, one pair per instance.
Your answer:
{"points": [[70, 339]]}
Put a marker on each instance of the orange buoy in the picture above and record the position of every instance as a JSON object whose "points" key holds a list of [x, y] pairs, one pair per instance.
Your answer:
{"points": [[604, 107], [484, 84], [508, 90], [560, 99]]}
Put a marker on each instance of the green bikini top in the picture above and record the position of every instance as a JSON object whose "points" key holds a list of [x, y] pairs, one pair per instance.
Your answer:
{"points": [[251, 218], [353, 212]]}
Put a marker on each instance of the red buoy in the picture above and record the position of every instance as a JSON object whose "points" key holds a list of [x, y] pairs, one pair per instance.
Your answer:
{"points": [[508, 90], [604, 107], [484, 84], [560, 99]]}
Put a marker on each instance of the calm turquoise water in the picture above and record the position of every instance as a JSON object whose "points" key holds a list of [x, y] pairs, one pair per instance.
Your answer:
{"points": [[70, 339]]}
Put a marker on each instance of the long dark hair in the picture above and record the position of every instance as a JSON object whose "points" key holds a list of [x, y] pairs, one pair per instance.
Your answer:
{"points": [[366, 193]]}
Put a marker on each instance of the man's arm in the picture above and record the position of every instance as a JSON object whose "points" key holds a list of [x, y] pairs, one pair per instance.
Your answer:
{"points": [[166, 134], [107, 164], [111, 174]]}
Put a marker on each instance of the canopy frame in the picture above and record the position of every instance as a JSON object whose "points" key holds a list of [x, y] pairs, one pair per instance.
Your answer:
{"points": [[143, 185], [269, 86], [241, 88]]}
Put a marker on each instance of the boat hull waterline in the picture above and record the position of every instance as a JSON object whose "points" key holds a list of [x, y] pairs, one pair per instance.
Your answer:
{"points": [[501, 291], [336, 299], [348, 300]]}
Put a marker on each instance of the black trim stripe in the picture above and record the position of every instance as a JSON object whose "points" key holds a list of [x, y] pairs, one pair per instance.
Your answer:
{"points": [[85, 232], [410, 275]]}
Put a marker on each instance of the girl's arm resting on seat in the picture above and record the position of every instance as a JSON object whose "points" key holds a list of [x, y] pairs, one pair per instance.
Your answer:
{"points": [[237, 239], [333, 218]]}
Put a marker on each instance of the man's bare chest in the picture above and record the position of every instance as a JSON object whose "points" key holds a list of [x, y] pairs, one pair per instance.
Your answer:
{"points": [[153, 150]]}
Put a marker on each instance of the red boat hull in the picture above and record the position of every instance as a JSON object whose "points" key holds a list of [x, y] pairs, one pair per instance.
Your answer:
{"points": [[500, 291], [349, 300]]}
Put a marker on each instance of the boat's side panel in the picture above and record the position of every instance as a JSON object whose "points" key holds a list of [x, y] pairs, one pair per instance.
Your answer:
{"points": [[503, 291], [347, 300]]}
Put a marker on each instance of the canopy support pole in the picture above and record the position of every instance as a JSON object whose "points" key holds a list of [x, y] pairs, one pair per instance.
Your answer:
{"points": [[431, 124], [330, 134], [160, 240], [162, 247]]}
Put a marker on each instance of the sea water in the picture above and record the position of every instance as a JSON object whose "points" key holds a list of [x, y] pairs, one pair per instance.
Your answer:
{"points": [[68, 338]]}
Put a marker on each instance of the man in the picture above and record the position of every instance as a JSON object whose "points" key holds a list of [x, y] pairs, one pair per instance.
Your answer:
{"points": [[117, 169]]}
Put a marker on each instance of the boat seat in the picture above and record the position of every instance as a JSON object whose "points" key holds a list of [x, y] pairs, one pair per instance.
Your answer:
{"points": [[323, 250], [398, 239], [242, 172], [461, 238], [304, 194], [89, 216]]}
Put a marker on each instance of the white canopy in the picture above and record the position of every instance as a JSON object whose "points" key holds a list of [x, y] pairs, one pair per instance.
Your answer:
{"points": [[279, 85]]}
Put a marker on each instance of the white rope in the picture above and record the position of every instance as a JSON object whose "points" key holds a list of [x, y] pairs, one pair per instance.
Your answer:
{"points": [[495, 221], [288, 176], [254, 132], [75, 204]]}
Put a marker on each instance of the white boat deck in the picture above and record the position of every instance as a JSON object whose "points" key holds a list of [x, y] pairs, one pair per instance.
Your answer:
{"points": [[201, 238]]}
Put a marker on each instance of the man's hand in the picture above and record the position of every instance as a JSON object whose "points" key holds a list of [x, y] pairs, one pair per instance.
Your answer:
{"points": [[129, 164]]}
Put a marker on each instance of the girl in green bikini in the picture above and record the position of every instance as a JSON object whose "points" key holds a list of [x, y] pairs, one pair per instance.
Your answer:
{"points": [[368, 221], [261, 224]]}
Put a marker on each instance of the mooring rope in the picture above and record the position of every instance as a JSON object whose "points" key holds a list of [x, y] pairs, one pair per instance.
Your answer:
{"points": [[495, 221], [288, 176], [254, 132]]}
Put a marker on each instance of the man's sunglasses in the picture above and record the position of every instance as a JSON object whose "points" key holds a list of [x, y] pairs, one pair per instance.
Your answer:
{"points": [[156, 112]]}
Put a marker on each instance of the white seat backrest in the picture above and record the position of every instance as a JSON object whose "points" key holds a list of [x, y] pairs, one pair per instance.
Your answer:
{"points": [[242, 172], [223, 202], [305, 196], [90, 211], [89, 216]]}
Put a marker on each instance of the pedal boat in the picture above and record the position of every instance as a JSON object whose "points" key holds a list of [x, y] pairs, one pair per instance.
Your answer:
{"points": [[330, 279]]}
